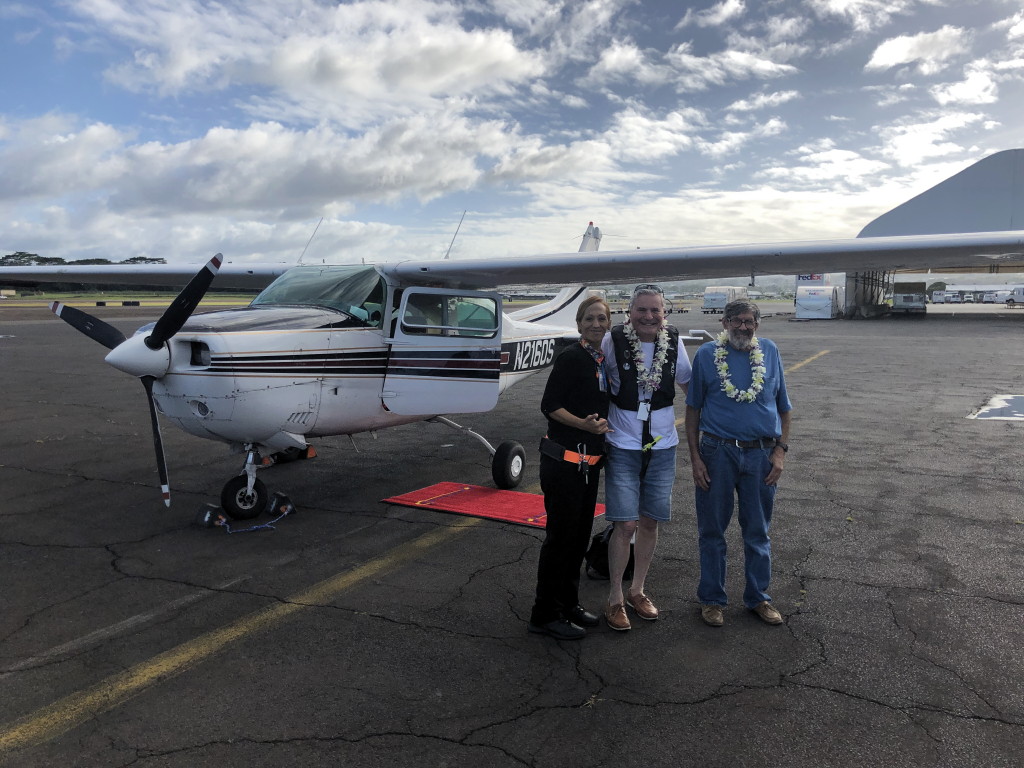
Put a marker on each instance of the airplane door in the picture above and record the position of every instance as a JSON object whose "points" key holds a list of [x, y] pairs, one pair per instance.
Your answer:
{"points": [[444, 352]]}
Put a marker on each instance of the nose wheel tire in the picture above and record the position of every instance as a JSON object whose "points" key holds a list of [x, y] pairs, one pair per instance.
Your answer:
{"points": [[239, 503], [508, 464]]}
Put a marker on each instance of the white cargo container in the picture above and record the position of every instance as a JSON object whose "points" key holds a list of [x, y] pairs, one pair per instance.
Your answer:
{"points": [[716, 297], [938, 297], [818, 302]]}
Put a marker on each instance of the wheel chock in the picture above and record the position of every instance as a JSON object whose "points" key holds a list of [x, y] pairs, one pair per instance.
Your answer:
{"points": [[210, 516], [280, 505]]}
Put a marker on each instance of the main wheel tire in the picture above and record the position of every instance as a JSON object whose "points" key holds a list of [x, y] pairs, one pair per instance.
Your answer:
{"points": [[508, 464], [239, 503]]}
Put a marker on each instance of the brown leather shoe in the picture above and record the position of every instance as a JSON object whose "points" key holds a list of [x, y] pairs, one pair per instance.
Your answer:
{"points": [[712, 615], [616, 617], [643, 606], [768, 613]]}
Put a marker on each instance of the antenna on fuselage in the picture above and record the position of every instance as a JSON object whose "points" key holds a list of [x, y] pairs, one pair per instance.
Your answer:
{"points": [[311, 238], [454, 236]]}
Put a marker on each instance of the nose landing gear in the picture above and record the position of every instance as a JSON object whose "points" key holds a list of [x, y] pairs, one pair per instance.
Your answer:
{"points": [[244, 496]]}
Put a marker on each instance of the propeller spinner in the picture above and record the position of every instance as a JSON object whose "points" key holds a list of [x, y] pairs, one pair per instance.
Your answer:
{"points": [[147, 357]]}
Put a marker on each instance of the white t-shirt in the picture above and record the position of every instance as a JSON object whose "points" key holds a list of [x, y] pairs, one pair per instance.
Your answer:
{"points": [[627, 428]]}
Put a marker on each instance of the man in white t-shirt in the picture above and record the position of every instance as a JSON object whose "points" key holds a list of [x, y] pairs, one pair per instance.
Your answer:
{"points": [[645, 362]]}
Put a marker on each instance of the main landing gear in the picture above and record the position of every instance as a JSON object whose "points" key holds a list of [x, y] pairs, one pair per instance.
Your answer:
{"points": [[508, 460]]}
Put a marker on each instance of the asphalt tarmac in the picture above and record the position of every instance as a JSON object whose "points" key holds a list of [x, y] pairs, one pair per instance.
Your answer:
{"points": [[362, 634]]}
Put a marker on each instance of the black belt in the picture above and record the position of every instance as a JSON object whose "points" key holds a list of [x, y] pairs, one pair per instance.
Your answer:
{"points": [[763, 442]]}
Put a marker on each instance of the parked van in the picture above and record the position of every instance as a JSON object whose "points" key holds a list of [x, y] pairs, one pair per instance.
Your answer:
{"points": [[1016, 297], [716, 297], [909, 299]]}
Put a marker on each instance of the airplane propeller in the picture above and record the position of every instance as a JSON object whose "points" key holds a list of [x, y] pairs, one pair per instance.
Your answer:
{"points": [[93, 327], [146, 356]]}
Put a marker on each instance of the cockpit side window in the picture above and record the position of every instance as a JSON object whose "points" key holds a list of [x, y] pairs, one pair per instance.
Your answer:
{"points": [[450, 315]]}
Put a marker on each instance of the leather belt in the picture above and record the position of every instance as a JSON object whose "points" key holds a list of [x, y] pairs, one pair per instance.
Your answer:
{"points": [[763, 442]]}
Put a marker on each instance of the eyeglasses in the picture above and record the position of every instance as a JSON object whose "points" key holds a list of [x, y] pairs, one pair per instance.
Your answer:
{"points": [[735, 322], [648, 287]]}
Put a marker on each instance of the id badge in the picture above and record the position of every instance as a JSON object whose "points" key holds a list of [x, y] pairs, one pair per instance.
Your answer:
{"points": [[643, 412]]}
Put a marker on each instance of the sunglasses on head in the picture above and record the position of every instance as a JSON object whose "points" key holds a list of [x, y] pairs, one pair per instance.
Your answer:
{"points": [[648, 287]]}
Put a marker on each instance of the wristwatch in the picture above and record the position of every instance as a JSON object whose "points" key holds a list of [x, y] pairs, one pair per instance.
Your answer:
{"points": [[782, 445]]}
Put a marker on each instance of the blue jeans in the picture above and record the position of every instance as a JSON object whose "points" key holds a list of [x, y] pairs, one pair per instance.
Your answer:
{"points": [[735, 472], [626, 496]]}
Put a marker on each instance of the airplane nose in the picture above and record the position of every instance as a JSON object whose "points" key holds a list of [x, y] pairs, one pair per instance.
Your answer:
{"points": [[134, 357]]}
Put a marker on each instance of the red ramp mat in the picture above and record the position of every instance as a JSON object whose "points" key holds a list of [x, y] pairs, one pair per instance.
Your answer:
{"points": [[477, 501]]}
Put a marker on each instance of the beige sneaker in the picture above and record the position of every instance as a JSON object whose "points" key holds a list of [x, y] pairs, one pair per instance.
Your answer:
{"points": [[643, 606], [768, 613], [616, 617], [712, 615]]}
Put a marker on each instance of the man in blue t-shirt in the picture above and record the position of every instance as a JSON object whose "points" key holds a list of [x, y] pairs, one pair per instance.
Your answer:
{"points": [[737, 429]]}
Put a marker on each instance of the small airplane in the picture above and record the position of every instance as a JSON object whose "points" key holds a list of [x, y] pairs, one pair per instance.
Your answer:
{"points": [[331, 350], [339, 350]]}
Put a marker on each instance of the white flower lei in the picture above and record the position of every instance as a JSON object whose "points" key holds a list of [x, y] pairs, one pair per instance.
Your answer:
{"points": [[650, 378], [756, 366]]}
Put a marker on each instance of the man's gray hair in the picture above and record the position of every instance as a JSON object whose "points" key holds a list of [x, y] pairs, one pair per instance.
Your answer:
{"points": [[738, 307], [647, 289]]}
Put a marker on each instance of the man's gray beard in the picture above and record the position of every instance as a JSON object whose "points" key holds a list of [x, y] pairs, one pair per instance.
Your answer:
{"points": [[740, 342]]}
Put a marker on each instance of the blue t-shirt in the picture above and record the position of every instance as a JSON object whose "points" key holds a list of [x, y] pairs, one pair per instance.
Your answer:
{"points": [[721, 415]]}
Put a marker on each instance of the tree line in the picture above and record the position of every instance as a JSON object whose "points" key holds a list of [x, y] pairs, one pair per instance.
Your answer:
{"points": [[23, 259]]}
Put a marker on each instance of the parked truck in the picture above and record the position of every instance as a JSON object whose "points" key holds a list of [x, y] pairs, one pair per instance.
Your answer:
{"points": [[909, 298], [716, 297]]}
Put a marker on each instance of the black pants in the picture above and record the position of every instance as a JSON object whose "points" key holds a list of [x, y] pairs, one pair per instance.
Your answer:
{"points": [[569, 500]]}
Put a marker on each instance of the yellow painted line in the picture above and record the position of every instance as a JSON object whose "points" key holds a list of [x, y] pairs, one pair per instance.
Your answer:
{"points": [[810, 359], [55, 719]]}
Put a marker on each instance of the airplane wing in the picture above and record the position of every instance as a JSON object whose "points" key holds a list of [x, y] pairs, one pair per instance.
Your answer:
{"points": [[946, 226], [981, 249], [255, 276]]}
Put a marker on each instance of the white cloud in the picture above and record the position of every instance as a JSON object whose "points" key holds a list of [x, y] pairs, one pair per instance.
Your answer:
{"points": [[931, 51], [715, 16], [779, 29], [639, 137], [827, 164], [368, 58], [925, 136], [622, 61], [698, 73], [977, 87], [1014, 25], [730, 142], [863, 15], [890, 95], [763, 100]]}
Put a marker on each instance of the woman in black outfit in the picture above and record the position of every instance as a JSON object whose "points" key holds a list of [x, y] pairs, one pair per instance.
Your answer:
{"points": [[575, 403]]}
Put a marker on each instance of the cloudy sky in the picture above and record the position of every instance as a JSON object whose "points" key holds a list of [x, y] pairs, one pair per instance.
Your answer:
{"points": [[178, 128]]}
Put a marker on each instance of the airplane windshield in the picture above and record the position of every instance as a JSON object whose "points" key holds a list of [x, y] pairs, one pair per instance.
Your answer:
{"points": [[358, 291]]}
